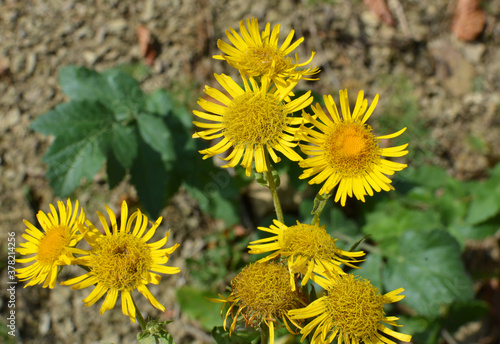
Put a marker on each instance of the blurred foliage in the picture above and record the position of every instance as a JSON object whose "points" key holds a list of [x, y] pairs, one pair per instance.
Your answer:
{"points": [[399, 108]]}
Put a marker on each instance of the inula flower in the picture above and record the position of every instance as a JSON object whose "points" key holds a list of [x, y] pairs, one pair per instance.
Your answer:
{"points": [[52, 246], [307, 248], [253, 122], [122, 260], [352, 311], [257, 55], [261, 293], [345, 152]]}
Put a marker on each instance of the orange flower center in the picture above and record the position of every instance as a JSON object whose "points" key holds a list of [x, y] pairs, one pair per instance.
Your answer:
{"points": [[351, 149], [52, 245]]}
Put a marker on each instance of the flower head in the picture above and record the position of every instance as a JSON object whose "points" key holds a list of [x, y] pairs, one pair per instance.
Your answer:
{"points": [[257, 55], [122, 260], [52, 246], [308, 249], [352, 311], [253, 122], [261, 293], [346, 153]]}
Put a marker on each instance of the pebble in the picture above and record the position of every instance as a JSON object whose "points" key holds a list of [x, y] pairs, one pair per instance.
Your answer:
{"points": [[30, 63], [117, 25], [44, 325], [11, 118]]}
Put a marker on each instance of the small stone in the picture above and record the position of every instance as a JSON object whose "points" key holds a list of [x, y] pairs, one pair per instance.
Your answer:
{"points": [[474, 52], [117, 25], [44, 325], [90, 57], [11, 118], [30, 63]]}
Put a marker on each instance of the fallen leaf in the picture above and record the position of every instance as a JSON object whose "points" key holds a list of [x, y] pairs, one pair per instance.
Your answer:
{"points": [[146, 44], [380, 8], [468, 20]]}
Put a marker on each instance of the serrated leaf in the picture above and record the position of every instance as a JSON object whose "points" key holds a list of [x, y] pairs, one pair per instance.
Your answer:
{"points": [[428, 266], [118, 90], [153, 181], [124, 144], [159, 102], [74, 119], [154, 131], [79, 151], [194, 303]]}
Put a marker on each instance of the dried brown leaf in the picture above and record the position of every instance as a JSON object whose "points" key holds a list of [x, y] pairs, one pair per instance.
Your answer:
{"points": [[468, 20], [380, 8], [146, 44]]}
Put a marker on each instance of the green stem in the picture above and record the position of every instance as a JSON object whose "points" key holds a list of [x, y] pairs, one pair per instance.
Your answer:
{"points": [[139, 316], [319, 204], [274, 192], [264, 333]]}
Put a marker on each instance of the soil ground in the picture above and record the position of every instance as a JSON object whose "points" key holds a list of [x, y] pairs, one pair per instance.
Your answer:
{"points": [[453, 86]]}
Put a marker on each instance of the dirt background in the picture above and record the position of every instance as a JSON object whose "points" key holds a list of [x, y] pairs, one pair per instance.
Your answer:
{"points": [[455, 84]]}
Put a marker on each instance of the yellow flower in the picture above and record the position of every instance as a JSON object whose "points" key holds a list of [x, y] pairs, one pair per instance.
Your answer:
{"points": [[254, 122], [121, 260], [346, 153], [257, 55], [261, 293], [52, 247], [352, 311], [308, 249]]}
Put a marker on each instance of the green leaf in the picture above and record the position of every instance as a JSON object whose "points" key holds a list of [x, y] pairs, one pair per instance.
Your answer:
{"points": [[195, 304], [124, 144], [153, 181], [156, 134], [391, 219], [422, 329], [115, 171], [427, 175], [79, 151], [429, 268], [155, 333], [118, 90], [159, 103], [461, 313], [482, 208], [243, 336]]}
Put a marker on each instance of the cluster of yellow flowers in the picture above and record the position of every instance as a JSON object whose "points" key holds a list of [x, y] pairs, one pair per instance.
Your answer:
{"points": [[254, 122], [118, 261]]}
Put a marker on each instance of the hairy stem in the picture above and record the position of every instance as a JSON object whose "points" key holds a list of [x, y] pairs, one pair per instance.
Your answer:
{"points": [[274, 192], [319, 204], [264, 333], [139, 316]]}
